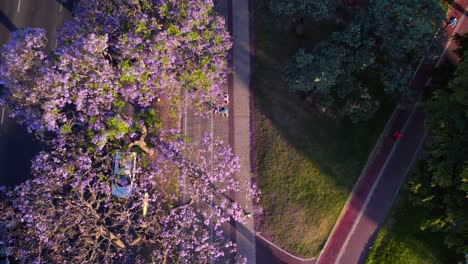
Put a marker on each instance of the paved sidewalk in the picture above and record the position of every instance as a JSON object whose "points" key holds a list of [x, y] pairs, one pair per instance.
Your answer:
{"points": [[245, 233], [387, 167], [234, 130]]}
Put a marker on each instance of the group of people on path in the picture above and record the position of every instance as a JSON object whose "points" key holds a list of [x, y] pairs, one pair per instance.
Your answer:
{"points": [[223, 111]]}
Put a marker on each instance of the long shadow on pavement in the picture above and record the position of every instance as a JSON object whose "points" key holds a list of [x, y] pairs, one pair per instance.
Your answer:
{"points": [[17, 149], [68, 4], [5, 20]]}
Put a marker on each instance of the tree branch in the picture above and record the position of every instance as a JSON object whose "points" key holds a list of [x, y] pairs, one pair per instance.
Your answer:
{"points": [[141, 143]]}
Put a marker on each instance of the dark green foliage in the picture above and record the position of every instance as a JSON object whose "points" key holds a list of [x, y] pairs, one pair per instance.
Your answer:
{"points": [[389, 37], [316, 9], [443, 187], [403, 30], [316, 73], [462, 41], [359, 105]]}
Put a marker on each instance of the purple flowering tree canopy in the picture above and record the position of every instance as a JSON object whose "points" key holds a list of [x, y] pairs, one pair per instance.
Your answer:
{"points": [[94, 96]]}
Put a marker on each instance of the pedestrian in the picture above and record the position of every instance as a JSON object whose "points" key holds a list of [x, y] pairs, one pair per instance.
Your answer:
{"points": [[216, 110], [397, 135], [452, 21], [223, 111]]}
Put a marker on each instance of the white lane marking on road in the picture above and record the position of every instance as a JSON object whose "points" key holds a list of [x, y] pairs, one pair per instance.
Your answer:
{"points": [[371, 192], [211, 127], [211, 163], [185, 134], [185, 119], [3, 114], [19, 4], [61, 6], [460, 22]]}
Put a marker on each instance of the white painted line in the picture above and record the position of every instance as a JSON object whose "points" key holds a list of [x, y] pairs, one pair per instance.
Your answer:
{"points": [[417, 69], [61, 6], [211, 127], [185, 118], [19, 4], [3, 114], [451, 39], [211, 169], [363, 172], [371, 193], [185, 134]]}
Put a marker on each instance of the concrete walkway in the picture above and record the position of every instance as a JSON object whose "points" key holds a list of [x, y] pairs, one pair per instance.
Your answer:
{"points": [[234, 130], [240, 120]]}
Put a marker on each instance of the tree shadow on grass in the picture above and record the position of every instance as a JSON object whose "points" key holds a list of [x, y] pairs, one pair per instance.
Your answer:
{"points": [[336, 148], [301, 156]]}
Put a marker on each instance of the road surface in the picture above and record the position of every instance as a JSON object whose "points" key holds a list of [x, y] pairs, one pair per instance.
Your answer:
{"points": [[17, 147]]}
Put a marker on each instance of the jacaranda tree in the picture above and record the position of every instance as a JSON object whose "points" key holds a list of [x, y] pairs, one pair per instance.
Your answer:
{"points": [[94, 96]]}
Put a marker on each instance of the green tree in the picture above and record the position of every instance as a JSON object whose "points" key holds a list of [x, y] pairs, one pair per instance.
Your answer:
{"points": [[390, 37], [317, 9], [402, 31], [317, 72], [462, 41], [359, 105], [442, 187]]}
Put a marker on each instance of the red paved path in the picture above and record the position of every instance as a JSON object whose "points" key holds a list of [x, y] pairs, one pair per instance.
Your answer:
{"points": [[354, 233]]}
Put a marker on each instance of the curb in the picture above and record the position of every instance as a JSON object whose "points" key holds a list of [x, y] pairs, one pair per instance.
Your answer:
{"points": [[270, 243]]}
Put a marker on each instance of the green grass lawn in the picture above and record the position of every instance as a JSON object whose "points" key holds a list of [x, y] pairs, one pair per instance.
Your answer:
{"points": [[306, 164], [401, 241]]}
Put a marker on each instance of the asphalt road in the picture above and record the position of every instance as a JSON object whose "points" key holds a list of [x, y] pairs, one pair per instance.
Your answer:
{"points": [[17, 147]]}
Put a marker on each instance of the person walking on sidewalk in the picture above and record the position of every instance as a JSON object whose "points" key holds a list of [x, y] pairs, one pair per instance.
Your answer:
{"points": [[223, 111], [226, 98], [452, 21]]}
